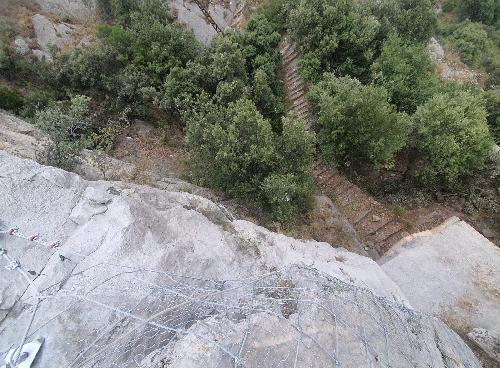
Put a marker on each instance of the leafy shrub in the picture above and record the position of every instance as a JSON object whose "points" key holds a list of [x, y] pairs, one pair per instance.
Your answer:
{"points": [[450, 5], [470, 39], [492, 100], [334, 35], [485, 11], [231, 149], [406, 72], [414, 21], [451, 137], [287, 195], [243, 64], [35, 100], [10, 99], [121, 11], [65, 126], [235, 149], [356, 122]]}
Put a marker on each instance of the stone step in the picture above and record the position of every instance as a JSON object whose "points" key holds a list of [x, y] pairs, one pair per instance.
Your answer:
{"points": [[296, 93]]}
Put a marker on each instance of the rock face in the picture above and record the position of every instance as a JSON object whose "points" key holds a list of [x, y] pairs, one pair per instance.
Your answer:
{"points": [[18, 137], [190, 14], [151, 278], [52, 34], [452, 272], [80, 10]]}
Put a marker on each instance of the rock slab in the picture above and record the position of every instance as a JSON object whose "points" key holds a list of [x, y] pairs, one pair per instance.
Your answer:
{"points": [[152, 278], [452, 272]]}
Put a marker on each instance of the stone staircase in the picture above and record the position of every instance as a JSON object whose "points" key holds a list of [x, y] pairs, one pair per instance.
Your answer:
{"points": [[296, 87], [376, 225]]}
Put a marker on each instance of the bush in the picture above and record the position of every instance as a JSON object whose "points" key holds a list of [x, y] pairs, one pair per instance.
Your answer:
{"points": [[231, 149], [356, 123], [235, 149], [35, 100], [450, 5], [10, 99], [470, 39], [414, 21], [406, 72], [65, 126], [492, 100], [451, 138], [485, 11], [244, 64], [287, 195], [335, 35]]}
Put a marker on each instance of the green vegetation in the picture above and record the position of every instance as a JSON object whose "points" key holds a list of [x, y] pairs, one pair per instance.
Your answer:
{"points": [[373, 90], [10, 99], [406, 72], [470, 39], [484, 11], [65, 125], [451, 137], [356, 122], [472, 29], [492, 100], [413, 21], [236, 150], [334, 36]]}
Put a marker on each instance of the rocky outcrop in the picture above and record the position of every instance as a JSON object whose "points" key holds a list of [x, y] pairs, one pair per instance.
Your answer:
{"points": [[49, 34], [79, 10], [452, 272], [146, 277]]}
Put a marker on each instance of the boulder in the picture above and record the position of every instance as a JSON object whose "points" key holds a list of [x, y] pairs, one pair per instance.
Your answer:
{"points": [[452, 272], [21, 46], [19, 137], [52, 34], [436, 51], [152, 278]]}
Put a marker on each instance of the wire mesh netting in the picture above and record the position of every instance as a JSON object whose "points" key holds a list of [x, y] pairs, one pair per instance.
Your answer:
{"points": [[131, 316]]}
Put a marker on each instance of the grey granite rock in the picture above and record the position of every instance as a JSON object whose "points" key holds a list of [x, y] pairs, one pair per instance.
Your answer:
{"points": [[151, 278]]}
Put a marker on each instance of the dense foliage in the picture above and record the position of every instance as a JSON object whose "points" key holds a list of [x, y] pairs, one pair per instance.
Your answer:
{"points": [[10, 99], [334, 36], [485, 11], [243, 64], [451, 137], [235, 149], [412, 20], [65, 126], [406, 72], [470, 39], [374, 92], [492, 100], [356, 122]]}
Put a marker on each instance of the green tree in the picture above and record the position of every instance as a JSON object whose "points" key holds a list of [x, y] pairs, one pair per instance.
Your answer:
{"points": [[470, 39], [335, 35], [406, 72], [485, 11], [451, 137], [10, 99], [65, 126], [231, 149], [235, 149], [492, 100], [412, 20], [356, 123]]}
